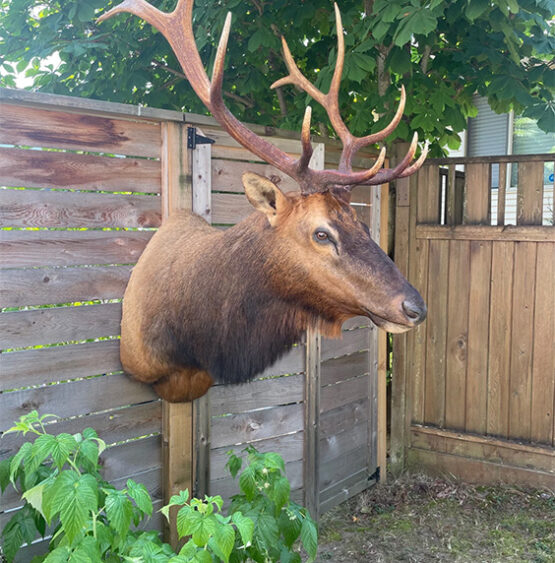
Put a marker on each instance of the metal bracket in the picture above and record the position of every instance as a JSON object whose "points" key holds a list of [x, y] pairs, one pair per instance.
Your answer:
{"points": [[194, 139], [375, 476]]}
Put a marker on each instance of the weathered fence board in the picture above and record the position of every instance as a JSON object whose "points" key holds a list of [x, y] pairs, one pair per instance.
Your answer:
{"points": [[64, 130], [51, 286], [58, 324], [491, 287], [62, 170], [42, 208], [24, 249]]}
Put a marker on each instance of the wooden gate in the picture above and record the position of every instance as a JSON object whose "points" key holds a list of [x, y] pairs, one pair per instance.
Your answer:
{"points": [[83, 184], [474, 386]]}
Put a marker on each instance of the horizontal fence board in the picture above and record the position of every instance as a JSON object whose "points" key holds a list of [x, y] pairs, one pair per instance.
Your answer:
{"points": [[345, 490], [345, 367], [48, 286], [47, 365], [493, 450], [357, 322], [227, 399], [132, 458], [58, 324], [52, 169], [63, 130], [112, 426], [344, 417], [351, 341], [339, 444], [45, 208], [343, 466], [333, 396], [226, 177], [486, 232], [256, 425], [289, 447], [230, 208], [74, 398], [476, 470], [22, 249]]}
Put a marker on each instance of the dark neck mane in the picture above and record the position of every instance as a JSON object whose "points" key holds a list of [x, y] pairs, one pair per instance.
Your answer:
{"points": [[234, 325]]}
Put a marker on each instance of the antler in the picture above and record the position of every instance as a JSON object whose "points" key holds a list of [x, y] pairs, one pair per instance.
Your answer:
{"points": [[177, 29]]}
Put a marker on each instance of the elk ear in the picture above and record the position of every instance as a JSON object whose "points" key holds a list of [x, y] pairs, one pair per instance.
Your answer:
{"points": [[265, 196]]}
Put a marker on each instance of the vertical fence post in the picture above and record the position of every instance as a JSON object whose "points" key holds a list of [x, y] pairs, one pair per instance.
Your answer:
{"points": [[311, 467], [373, 404], [177, 418], [202, 200]]}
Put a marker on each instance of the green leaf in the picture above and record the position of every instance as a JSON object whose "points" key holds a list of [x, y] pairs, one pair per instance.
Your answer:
{"points": [[476, 8], [34, 497], [62, 448], [244, 525], [180, 498], [119, 511], [282, 490], [139, 493], [309, 537], [59, 555], [247, 482], [233, 464], [23, 454], [4, 474], [81, 499], [223, 541], [289, 526]]}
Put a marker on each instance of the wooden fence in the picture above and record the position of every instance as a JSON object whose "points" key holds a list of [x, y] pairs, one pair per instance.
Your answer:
{"points": [[83, 186], [474, 386]]}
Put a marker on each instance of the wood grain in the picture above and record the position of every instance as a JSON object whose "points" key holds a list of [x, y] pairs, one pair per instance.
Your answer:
{"points": [[64, 130], [543, 364], [47, 286], [74, 398], [345, 367], [52, 169], [520, 390], [529, 206], [42, 208], [58, 324], [478, 334], [436, 333], [23, 249], [500, 342], [256, 425], [486, 232], [457, 287], [478, 194], [48, 365]]}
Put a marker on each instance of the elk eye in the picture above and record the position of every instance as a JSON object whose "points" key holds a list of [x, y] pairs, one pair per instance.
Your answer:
{"points": [[321, 236]]}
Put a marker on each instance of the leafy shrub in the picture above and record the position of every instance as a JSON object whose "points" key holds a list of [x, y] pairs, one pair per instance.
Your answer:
{"points": [[89, 520]]}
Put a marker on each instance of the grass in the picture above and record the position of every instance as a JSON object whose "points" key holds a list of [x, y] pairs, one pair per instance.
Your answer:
{"points": [[423, 519]]}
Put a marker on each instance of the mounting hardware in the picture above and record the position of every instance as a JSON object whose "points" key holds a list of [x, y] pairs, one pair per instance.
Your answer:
{"points": [[194, 139], [375, 476]]}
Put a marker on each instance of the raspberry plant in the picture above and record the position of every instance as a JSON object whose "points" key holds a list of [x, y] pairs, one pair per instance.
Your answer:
{"points": [[89, 520]]}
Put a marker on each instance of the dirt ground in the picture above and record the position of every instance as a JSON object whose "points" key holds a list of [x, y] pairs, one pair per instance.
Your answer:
{"points": [[424, 519]]}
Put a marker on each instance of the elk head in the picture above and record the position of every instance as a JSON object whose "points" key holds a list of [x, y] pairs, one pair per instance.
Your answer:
{"points": [[343, 272]]}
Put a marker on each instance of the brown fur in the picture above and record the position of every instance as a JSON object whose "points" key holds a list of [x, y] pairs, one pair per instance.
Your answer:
{"points": [[206, 305]]}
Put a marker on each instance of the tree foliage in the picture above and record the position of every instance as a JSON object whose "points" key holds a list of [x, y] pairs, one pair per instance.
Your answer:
{"points": [[443, 52]]}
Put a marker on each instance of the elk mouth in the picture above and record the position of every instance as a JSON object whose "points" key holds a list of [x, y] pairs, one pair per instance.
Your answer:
{"points": [[387, 325]]}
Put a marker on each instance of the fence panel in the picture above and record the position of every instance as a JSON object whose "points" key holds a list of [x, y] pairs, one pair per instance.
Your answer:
{"points": [[83, 185], [482, 367]]}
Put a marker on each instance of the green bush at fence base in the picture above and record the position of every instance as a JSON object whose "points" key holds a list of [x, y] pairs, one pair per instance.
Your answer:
{"points": [[90, 520]]}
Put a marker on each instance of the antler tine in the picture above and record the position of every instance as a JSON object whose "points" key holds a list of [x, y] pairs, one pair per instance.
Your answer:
{"points": [[177, 29], [306, 145]]}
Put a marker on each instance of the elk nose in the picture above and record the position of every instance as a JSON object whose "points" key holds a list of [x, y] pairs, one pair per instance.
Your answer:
{"points": [[415, 312]]}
